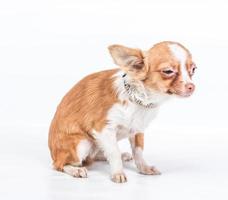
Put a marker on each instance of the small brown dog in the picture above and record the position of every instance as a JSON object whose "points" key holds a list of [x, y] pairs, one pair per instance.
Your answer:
{"points": [[107, 106]]}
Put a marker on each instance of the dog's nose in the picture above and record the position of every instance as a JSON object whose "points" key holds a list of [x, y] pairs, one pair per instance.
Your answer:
{"points": [[190, 87]]}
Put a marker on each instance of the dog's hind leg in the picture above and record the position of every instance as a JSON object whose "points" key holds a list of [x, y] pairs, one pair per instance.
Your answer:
{"points": [[71, 156]]}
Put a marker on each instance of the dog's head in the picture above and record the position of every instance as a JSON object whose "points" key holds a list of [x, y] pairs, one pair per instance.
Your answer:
{"points": [[167, 67]]}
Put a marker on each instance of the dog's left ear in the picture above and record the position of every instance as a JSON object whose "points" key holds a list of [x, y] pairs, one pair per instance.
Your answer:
{"points": [[130, 60]]}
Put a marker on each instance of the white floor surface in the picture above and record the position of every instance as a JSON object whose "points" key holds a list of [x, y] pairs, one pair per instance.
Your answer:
{"points": [[194, 165]]}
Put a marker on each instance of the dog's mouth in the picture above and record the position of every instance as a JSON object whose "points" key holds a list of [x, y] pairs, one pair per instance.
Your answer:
{"points": [[179, 93]]}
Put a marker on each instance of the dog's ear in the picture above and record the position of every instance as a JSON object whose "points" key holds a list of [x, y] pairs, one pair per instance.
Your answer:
{"points": [[130, 60]]}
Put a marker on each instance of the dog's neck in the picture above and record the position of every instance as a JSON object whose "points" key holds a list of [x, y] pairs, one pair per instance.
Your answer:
{"points": [[138, 94]]}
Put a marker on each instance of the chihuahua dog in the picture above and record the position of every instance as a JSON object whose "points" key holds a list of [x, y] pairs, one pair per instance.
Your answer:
{"points": [[110, 105]]}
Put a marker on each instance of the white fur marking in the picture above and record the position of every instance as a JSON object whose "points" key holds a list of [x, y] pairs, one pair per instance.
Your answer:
{"points": [[83, 149], [181, 55]]}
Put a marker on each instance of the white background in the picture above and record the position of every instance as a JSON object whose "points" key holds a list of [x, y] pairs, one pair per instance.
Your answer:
{"points": [[46, 46]]}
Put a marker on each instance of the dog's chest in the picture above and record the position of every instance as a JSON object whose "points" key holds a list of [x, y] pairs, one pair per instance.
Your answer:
{"points": [[130, 118]]}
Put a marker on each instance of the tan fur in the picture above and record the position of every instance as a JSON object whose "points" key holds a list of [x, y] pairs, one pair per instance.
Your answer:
{"points": [[82, 109], [139, 140]]}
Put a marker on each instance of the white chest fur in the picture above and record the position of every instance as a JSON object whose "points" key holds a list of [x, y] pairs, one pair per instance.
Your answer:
{"points": [[130, 118]]}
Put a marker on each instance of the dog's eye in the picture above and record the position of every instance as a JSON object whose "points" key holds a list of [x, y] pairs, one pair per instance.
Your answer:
{"points": [[193, 70], [168, 72]]}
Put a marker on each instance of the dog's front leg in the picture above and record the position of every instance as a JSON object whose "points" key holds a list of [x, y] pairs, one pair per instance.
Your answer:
{"points": [[108, 143], [137, 145]]}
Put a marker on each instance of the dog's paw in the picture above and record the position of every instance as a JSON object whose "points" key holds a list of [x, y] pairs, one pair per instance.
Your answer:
{"points": [[149, 170], [119, 178], [126, 157], [79, 172]]}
